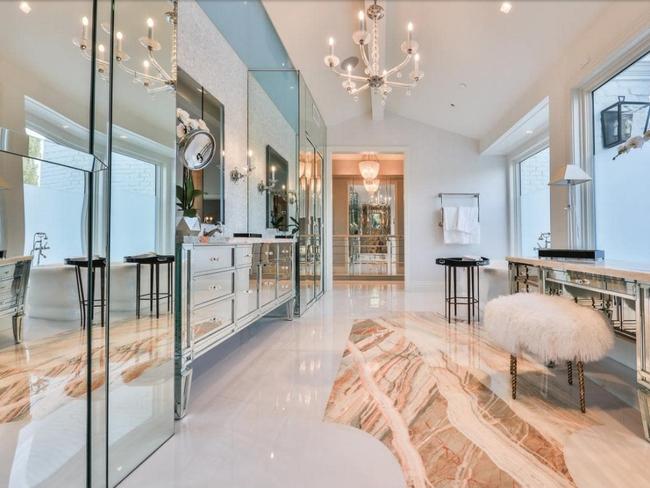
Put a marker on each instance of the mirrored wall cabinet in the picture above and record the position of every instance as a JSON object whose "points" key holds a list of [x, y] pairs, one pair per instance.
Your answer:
{"points": [[287, 145], [87, 177]]}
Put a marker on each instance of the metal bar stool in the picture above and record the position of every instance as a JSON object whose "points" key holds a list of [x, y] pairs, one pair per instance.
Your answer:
{"points": [[95, 262], [473, 297], [153, 261]]}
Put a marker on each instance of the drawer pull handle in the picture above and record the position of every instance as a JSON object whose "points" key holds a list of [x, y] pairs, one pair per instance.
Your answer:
{"points": [[248, 255], [215, 287], [583, 281], [214, 258]]}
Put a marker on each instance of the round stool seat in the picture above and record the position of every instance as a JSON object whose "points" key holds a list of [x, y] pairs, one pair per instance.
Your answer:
{"points": [[550, 327]]}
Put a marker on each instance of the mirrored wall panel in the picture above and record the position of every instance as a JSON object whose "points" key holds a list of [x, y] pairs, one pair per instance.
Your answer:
{"points": [[46, 202], [273, 125], [141, 247]]}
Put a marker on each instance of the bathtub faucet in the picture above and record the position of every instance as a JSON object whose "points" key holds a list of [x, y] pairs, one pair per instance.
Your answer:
{"points": [[39, 244]]}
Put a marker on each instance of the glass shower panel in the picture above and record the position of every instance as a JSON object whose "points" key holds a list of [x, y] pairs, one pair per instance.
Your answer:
{"points": [[141, 263], [318, 223], [44, 240]]}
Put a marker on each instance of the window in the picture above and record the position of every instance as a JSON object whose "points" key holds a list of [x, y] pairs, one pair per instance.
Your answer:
{"points": [[133, 207], [534, 201], [54, 202], [621, 199]]}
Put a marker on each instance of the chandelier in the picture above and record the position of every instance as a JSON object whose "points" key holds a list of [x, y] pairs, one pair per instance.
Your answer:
{"points": [[369, 167], [152, 76], [376, 78]]}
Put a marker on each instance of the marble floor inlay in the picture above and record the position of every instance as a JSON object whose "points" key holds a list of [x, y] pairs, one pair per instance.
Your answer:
{"points": [[425, 389]]}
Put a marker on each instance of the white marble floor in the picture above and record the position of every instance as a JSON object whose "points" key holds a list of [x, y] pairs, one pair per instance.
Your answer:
{"points": [[257, 407]]}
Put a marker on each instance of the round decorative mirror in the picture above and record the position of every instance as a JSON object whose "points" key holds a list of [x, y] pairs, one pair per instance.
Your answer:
{"points": [[196, 149]]}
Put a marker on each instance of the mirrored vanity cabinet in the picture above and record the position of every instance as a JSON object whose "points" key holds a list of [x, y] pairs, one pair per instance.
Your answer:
{"points": [[226, 286]]}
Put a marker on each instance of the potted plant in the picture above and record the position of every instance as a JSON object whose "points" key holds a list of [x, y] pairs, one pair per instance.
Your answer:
{"points": [[189, 223]]}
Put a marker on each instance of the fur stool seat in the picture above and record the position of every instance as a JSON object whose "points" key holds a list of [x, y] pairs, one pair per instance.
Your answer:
{"points": [[552, 328]]}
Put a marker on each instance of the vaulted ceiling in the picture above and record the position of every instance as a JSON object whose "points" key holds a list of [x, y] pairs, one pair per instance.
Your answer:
{"points": [[473, 56]]}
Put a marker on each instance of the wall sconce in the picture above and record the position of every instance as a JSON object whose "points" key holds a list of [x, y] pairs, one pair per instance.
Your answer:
{"points": [[262, 187], [237, 174]]}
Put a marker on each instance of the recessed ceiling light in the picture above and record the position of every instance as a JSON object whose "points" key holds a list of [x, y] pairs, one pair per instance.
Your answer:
{"points": [[65, 126], [124, 137], [529, 131], [506, 7], [25, 7]]}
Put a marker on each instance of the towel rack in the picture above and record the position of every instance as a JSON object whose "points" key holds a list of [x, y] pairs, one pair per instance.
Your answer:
{"points": [[442, 206]]}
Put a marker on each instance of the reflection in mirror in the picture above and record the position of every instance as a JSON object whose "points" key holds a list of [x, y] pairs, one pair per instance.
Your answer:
{"points": [[277, 199], [272, 143], [199, 104], [141, 316], [44, 208]]}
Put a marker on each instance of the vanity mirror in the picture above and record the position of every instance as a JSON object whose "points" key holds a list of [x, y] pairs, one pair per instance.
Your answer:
{"points": [[277, 194], [201, 149]]}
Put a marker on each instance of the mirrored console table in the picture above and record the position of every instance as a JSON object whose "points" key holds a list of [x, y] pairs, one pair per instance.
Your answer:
{"points": [[618, 289], [222, 288]]}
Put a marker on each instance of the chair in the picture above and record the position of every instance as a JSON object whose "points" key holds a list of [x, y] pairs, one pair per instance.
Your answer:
{"points": [[553, 328]]}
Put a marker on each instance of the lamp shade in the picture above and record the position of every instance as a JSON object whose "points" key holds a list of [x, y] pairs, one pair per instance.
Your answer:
{"points": [[371, 186], [369, 169], [569, 175]]}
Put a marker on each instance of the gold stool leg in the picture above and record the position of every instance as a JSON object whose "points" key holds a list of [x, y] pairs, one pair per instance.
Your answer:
{"points": [[513, 375], [581, 383], [569, 371]]}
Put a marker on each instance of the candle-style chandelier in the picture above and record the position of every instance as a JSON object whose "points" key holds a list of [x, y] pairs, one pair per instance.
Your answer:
{"points": [[153, 77], [376, 78]]}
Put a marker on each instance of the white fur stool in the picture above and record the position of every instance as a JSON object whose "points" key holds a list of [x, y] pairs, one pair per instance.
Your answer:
{"points": [[552, 328]]}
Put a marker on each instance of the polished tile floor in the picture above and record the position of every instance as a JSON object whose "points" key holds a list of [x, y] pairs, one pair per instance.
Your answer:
{"points": [[371, 388]]}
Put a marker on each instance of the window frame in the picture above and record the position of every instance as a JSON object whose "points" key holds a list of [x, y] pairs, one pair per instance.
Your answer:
{"points": [[515, 161], [582, 118]]}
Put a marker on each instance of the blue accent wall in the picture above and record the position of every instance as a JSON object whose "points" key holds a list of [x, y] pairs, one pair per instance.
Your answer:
{"points": [[249, 30]]}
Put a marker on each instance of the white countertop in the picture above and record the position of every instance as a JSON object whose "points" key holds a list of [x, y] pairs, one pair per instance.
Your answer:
{"points": [[618, 269], [231, 241], [15, 259]]}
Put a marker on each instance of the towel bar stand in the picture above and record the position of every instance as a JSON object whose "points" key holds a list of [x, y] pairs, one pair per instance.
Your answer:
{"points": [[442, 206]]}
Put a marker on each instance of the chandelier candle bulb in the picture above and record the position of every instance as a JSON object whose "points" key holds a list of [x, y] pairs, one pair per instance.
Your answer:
{"points": [[84, 28], [409, 28], [119, 37], [362, 21], [150, 28], [101, 50], [417, 62], [331, 44]]}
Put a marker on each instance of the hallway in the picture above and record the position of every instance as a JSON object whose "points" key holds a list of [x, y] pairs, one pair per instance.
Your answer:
{"points": [[256, 415]]}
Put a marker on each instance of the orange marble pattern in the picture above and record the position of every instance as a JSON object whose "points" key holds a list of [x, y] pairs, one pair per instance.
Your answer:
{"points": [[444, 426]]}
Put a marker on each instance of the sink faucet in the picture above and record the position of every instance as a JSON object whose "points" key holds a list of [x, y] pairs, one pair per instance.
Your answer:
{"points": [[218, 228], [543, 241], [39, 244]]}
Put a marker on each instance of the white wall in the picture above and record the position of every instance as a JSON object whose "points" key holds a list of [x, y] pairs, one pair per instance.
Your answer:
{"points": [[435, 161], [620, 25], [208, 58]]}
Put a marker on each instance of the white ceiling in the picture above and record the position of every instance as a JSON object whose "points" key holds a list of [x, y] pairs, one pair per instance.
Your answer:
{"points": [[498, 56]]}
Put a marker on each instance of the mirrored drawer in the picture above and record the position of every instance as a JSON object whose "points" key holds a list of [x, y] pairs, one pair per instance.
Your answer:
{"points": [[212, 286], [211, 258], [243, 256], [285, 251], [211, 318], [7, 272], [586, 280], [268, 252], [268, 281], [246, 286], [285, 272]]}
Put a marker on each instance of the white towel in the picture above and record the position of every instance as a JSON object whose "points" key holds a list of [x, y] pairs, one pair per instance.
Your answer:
{"points": [[461, 225]]}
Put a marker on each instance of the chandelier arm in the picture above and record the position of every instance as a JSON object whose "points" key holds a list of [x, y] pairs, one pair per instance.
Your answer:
{"points": [[166, 77], [139, 75], [343, 74], [364, 56], [401, 85], [399, 66], [360, 89]]}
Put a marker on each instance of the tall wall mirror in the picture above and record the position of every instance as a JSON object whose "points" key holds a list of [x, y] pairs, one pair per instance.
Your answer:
{"points": [[47, 197], [277, 197], [142, 220], [273, 125], [196, 101]]}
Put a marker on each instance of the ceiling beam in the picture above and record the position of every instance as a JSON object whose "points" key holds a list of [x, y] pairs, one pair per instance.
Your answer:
{"points": [[375, 98]]}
